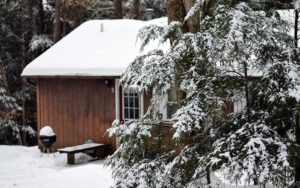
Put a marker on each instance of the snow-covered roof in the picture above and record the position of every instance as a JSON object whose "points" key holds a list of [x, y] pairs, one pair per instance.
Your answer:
{"points": [[95, 48]]}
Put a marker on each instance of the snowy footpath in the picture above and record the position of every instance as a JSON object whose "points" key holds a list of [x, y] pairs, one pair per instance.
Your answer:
{"points": [[22, 167]]}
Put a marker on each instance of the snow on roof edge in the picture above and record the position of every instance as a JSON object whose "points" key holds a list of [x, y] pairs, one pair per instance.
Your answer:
{"points": [[86, 73]]}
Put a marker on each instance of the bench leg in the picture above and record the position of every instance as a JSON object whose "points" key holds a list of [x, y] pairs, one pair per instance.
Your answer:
{"points": [[71, 158], [99, 152], [108, 150]]}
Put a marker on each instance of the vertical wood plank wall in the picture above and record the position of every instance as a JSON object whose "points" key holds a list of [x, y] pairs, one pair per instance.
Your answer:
{"points": [[77, 109]]}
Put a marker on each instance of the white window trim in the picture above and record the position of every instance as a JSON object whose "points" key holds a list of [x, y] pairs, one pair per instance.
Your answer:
{"points": [[163, 108], [141, 106], [117, 99], [117, 107], [239, 105]]}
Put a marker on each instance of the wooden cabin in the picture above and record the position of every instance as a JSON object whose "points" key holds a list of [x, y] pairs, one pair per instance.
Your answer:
{"points": [[77, 88]]}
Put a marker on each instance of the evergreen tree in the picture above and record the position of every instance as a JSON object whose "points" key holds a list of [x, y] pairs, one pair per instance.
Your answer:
{"points": [[215, 65]]}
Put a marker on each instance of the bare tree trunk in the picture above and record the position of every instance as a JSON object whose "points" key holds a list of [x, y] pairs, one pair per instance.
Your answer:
{"points": [[65, 15], [118, 9], [207, 9], [4, 79], [246, 89], [57, 22], [30, 12], [296, 28], [208, 176], [297, 161], [194, 21], [23, 63], [23, 88], [247, 96], [136, 9], [41, 24], [297, 126], [176, 12], [76, 16]]}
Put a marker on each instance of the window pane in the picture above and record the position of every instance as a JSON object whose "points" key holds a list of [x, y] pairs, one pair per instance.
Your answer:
{"points": [[131, 113], [136, 102], [172, 95], [126, 113], [171, 109], [131, 102], [136, 114], [125, 101], [125, 92]]}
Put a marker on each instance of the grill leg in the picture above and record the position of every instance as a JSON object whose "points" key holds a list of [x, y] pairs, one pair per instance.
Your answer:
{"points": [[43, 152], [53, 151]]}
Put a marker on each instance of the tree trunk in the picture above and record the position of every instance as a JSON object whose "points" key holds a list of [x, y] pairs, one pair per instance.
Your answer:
{"points": [[208, 176], [176, 12], [41, 24], [207, 9], [23, 63], [4, 79], [136, 9], [247, 96], [296, 28], [24, 88], [194, 21], [65, 15], [297, 126], [57, 22], [76, 16], [118, 9], [297, 163], [246, 90], [30, 12]]}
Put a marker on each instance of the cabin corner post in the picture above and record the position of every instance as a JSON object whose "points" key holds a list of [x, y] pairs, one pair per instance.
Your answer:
{"points": [[142, 104], [38, 108], [117, 106]]}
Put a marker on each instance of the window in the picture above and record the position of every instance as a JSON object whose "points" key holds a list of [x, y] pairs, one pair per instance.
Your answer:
{"points": [[131, 104], [171, 104], [168, 106], [241, 104]]}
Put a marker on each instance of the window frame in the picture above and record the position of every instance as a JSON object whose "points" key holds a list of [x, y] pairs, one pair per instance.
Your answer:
{"points": [[164, 107]]}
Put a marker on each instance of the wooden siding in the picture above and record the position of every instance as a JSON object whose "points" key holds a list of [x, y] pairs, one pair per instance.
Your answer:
{"points": [[228, 108], [78, 109], [147, 101]]}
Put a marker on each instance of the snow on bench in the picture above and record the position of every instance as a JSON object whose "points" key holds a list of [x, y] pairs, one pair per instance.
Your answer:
{"points": [[97, 148]]}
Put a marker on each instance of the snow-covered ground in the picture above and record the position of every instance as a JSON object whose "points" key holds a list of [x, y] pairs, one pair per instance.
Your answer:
{"points": [[23, 167]]}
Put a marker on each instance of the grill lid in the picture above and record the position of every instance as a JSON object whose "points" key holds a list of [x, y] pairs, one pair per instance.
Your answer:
{"points": [[47, 131]]}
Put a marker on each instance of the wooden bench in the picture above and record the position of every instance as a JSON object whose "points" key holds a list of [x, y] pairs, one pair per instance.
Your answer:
{"points": [[97, 149]]}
